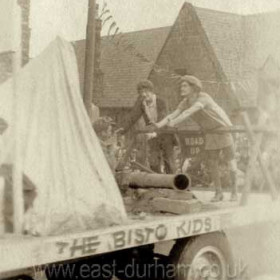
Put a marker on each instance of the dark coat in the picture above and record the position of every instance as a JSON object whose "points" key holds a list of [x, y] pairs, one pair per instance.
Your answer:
{"points": [[138, 111], [162, 144]]}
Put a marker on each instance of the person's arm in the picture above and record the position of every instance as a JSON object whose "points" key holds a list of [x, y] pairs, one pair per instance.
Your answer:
{"points": [[181, 107], [168, 118], [186, 114]]}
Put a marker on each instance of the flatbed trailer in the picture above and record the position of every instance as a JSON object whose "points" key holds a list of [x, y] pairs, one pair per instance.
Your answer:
{"points": [[26, 255], [199, 241]]}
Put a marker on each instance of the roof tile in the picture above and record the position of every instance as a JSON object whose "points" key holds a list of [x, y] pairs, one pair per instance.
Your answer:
{"points": [[122, 69]]}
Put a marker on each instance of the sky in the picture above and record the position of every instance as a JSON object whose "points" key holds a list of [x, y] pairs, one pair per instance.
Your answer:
{"points": [[9, 14], [67, 18]]}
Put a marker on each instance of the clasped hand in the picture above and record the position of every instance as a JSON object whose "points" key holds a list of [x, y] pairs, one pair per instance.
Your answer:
{"points": [[152, 127]]}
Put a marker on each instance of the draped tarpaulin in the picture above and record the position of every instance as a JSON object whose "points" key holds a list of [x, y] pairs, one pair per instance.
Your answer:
{"points": [[60, 152]]}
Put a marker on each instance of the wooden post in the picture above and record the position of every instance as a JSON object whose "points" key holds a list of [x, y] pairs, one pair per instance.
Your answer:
{"points": [[250, 168], [89, 56], [256, 154], [18, 208], [2, 218]]}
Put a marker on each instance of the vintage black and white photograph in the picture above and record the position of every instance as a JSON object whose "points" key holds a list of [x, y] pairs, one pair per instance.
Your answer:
{"points": [[139, 139]]}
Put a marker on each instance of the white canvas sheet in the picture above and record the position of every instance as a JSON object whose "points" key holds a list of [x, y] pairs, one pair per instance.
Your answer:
{"points": [[60, 152]]}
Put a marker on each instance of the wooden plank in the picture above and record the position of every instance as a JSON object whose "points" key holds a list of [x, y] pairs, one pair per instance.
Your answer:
{"points": [[176, 206], [233, 129], [143, 199]]}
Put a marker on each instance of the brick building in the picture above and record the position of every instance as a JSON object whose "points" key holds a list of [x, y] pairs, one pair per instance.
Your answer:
{"points": [[224, 50], [6, 57]]}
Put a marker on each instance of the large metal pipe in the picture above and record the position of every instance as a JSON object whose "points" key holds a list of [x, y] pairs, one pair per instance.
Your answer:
{"points": [[167, 181]]}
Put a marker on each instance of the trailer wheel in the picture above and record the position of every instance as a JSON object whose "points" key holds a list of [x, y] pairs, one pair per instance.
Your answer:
{"points": [[207, 256]]}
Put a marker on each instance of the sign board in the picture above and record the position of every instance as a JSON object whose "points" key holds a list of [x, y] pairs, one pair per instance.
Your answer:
{"points": [[192, 145]]}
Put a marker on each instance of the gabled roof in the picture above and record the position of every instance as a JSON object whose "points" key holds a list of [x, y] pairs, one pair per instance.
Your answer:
{"points": [[239, 44], [225, 35], [122, 68]]}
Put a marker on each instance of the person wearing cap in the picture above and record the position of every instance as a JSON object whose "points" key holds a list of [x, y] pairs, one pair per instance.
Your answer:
{"points": [[210, 117], [152, 108]]}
